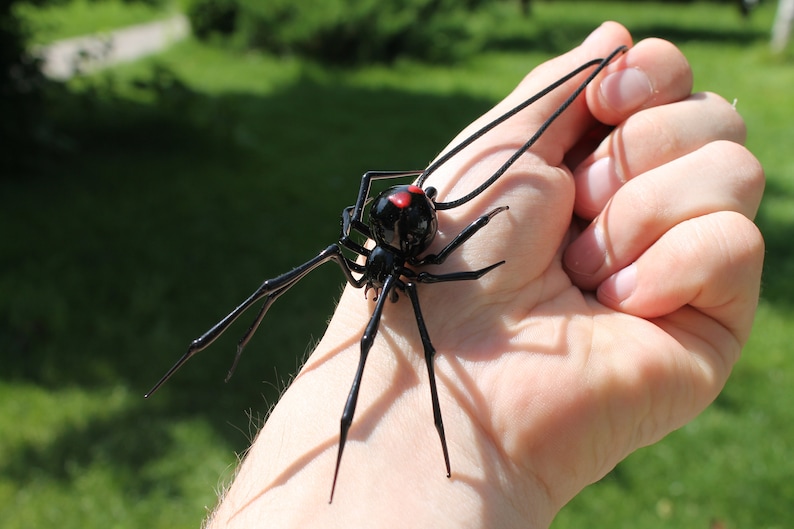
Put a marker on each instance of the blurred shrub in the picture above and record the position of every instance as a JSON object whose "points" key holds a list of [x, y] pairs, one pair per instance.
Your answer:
{"points": [[22, 124], [344, 31], [208, 17]]}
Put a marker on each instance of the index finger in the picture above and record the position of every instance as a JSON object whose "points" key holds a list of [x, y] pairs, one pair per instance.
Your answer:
{"points": [[507, 138]]}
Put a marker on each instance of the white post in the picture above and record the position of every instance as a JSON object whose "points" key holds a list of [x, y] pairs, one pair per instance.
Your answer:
{"points": [[781, 30]]}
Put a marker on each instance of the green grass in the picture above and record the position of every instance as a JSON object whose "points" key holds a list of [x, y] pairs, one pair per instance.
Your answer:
{"points": [[180, 182], [55, 21]]}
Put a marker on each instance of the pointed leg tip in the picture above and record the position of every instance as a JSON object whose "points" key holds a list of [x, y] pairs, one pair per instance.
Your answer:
{"points": [[333, 489], [152, 391]]}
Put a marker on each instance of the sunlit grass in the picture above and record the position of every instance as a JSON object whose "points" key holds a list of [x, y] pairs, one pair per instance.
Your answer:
{"points": [[60, 20]]}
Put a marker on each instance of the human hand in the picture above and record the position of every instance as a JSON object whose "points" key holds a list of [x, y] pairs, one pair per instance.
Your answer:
{"points": [[629, 289]]}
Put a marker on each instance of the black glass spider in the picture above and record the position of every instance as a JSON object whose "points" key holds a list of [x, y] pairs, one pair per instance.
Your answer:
{"points": [[402, 223]]}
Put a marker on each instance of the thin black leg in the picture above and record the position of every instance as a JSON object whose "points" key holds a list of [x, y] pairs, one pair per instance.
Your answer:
{"points": [[269, 300], [351, 215], [504, 117], [430, 353], [462, 237], [468, 275], [599, 64], [352, 399], [347, 227], [363, 192], [270, 290]]}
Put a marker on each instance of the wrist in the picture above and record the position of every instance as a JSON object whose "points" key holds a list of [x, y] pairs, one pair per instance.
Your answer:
{"points": [[392, 470]]}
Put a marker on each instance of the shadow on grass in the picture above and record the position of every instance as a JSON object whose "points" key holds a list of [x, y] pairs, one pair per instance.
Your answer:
{"points": [[127, 442], [164, 217]]}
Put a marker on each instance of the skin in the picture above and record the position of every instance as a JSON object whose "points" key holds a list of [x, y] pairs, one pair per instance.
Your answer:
{"points": [[631, 281]]}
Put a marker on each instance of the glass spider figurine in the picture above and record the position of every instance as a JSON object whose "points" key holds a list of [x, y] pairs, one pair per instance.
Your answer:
{"points": [[402, 223]]}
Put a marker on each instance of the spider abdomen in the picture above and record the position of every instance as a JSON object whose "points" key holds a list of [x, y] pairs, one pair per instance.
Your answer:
{"points": [[404, 219]]}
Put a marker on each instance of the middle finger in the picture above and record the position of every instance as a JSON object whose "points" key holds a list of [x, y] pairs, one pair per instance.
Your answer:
{"points": [[650, 139]]}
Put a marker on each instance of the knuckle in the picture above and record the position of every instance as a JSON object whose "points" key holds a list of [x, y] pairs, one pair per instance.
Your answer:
{"points": [[731, 125], [739, 246], [742, 174]]}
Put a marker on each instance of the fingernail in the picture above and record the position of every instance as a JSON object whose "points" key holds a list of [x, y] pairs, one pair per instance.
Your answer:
{"points": [[597, 181], [620, 285], [586, 255], [626, 90]]}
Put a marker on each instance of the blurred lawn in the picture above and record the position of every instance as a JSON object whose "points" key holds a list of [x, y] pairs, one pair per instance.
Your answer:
{"points": [[53, 21], [183, 181]]}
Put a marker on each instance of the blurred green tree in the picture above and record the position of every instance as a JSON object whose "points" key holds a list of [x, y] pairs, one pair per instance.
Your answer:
{"points": [[21, 91], [344, 31]]}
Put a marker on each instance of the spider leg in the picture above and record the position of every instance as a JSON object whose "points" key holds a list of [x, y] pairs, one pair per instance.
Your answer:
{"points": [[347, 226], [462, 237], [354, 219], [366, 344], [271, 290], [430, 353], [599, 64], [351, 215], [269, 300], [504, 117], [468, 275]]}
